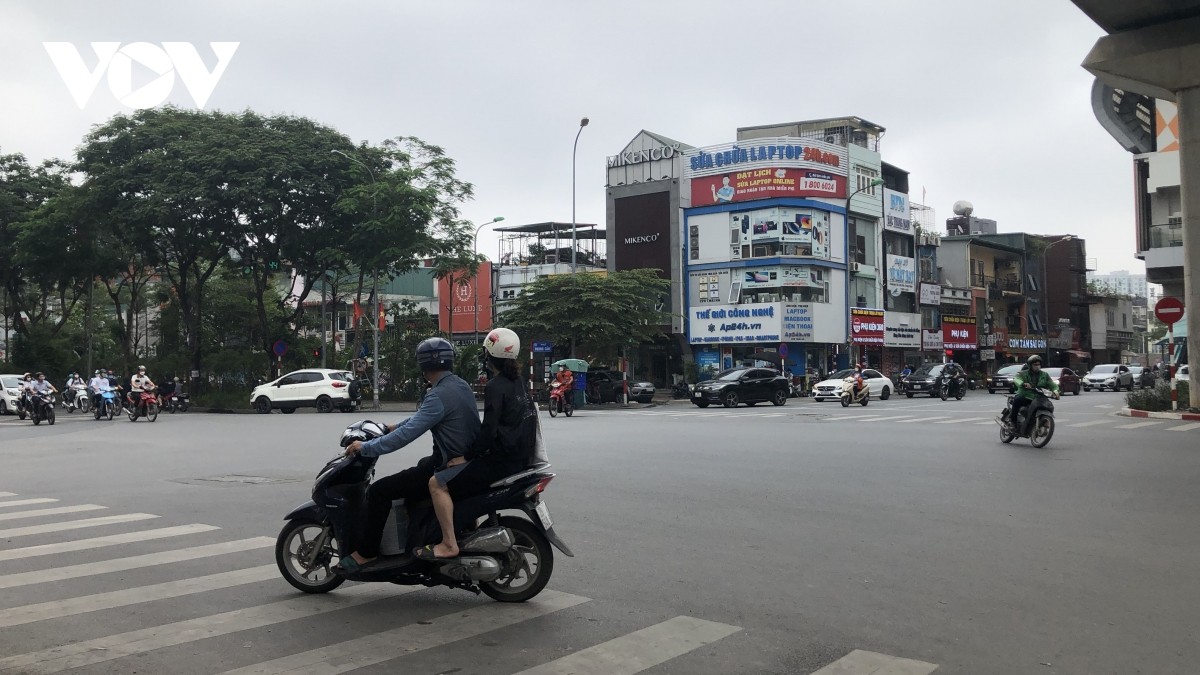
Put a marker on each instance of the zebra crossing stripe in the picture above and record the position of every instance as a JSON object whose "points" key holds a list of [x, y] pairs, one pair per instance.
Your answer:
{"points": [[26, 502], [8, 494], [133, 563], [18, 616], [640, 650], [101, 542], [887, 419], [855, 418], [1090, 423], [859, 662], [112, 647], [374, 649], [1184, 427], [963, 420], [923, 419], [58, 510], [74, 525], [1137, 425]]}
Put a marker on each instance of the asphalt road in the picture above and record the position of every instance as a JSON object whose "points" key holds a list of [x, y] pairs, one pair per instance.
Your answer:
{"points": [[801, 539]]}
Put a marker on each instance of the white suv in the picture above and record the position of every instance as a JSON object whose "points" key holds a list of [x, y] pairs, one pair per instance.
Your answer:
{"points": [[10, 391], [1110, 375], [314, 387]]}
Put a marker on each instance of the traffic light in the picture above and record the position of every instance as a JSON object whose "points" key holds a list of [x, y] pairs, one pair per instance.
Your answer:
{"points": [[317, 352]]}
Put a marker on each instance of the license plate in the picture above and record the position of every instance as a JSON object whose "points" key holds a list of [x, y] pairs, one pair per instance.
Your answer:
{"points": [[697, 395], [544, 515]]}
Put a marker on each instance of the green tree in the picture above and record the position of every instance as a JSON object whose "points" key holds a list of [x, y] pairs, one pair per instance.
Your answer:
{"points": [[603, 312]]}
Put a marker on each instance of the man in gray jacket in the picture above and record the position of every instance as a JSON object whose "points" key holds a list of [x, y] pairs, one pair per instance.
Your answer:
{"points": [[450, 414]]}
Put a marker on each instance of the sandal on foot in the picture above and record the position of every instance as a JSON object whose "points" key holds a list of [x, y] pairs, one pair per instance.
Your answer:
{"points": [[349, 565], [426, 553]]}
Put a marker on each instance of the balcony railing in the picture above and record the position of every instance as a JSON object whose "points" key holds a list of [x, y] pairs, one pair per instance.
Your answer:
{"points": [[1165, 236]]}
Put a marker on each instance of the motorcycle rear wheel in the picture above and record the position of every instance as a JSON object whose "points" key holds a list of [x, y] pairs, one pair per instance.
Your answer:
{"points": [[292, 544], [528, 541], [568, 409], [1043, 430]]}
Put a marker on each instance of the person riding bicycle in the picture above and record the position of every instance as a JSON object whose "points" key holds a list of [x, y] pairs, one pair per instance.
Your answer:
{"points": [[1027, 382]]}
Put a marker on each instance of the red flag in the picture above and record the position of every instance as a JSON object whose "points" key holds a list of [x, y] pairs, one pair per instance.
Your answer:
{"points": [[382, 318], [358, 313]]}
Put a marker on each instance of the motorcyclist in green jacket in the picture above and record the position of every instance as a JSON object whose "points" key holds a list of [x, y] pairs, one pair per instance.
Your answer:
{"points": [[1027, 382]]}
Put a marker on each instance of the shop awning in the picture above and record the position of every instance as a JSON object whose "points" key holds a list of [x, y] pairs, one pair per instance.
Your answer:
{"points": [[1179, 332]]}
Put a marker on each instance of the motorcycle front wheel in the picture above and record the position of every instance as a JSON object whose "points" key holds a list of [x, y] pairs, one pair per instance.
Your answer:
{"points": [[845, 400], [152, 412], [1006, 434], [958, 395], [945, 392], [294, 549], [85, 405], [527, 567], [1043, 429], [553, 408], [50, 415]]}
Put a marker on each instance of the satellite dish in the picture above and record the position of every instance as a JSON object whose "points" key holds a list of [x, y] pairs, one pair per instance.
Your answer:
{"points": [[963, 208]]}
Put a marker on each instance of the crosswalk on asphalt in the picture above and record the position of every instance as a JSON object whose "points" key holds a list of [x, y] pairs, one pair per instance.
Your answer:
{"points": [[891, 417], [98, 606]]}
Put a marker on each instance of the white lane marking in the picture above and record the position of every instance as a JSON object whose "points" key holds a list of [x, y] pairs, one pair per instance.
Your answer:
{"points": [[133, 563], [1103, 405], [112, 647], [381, 647], [1184, 427], [886, 419], [74, 524], [640, 650], [8, 494], [964, 420], [980, 424], [42, 611], [1090, 423], [27, 502], [924, 419], [857, 418], [1137, 425], [37, 513], [101, 542], [859, 662]]}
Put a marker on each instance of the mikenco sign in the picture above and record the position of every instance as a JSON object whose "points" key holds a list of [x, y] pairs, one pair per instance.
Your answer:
{"points": [[643, 239], [638, 156]]}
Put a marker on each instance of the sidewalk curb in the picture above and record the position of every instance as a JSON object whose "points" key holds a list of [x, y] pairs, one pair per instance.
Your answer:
{"points": [[1130, 412]]}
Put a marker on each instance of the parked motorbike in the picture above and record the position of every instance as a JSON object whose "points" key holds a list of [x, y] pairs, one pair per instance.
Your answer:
{"points": [[175, 401], [509, 558], [560, 400], [851, 394], [76, 398], [145, 404], [954, 386], [681, 390], [41, 409], [110, 405], [1035, 421]]}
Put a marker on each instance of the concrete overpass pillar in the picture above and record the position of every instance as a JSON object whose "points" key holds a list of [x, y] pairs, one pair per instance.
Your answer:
{"points": [[1163, 61], [1188, 102]]}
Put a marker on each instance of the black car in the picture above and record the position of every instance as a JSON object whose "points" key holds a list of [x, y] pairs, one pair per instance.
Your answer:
{"points": [[1142, 377], [743, 385], [605, 386], [1003, 379], [928, 378]]}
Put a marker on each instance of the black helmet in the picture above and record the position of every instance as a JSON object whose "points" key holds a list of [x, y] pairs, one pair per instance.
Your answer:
{"points": [[435, 354], [1034, 359]]}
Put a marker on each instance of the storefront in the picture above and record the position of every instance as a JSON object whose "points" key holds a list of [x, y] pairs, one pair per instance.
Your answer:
{"points": [[867, 332], [960, 338]]}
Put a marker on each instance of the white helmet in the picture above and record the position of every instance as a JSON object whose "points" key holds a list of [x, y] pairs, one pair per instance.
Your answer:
{"points": [[502, 343]]}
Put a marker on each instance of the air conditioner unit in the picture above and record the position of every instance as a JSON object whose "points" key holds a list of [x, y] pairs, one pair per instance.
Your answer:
{"points": [[835, 139], [853, 267]]}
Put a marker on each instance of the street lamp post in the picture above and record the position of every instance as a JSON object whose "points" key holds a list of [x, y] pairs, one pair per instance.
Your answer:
{"points": [[1046, 296], [574, 235], [374, 287], [475, 290]]}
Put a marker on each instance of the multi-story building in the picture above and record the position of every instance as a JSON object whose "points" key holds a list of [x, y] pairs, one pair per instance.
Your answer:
{"points": [[1122, 282]]}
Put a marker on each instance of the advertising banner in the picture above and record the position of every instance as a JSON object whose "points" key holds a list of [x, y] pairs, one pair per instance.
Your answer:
{"points": [[765, 183], [931, 340], [866, 326], [779, 276], [798, 321], [457, 308], [960, 332], [987, 354], [896, 214], [720, 324], [931, 294], [901, 274], [902, 329], [1026, 343], [709, 287]]}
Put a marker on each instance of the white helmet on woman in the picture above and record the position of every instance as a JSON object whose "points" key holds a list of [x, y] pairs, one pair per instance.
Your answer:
{"points": [[502, 343]]}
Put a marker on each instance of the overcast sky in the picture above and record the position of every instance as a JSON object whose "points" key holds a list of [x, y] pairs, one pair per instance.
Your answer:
{"points": [[983, 101]]}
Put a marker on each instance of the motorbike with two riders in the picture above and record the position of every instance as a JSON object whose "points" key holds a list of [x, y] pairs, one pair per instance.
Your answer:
{"points": [[507, 557]]}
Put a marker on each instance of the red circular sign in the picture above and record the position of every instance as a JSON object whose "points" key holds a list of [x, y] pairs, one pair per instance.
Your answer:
{"points": [[1168, 310]]}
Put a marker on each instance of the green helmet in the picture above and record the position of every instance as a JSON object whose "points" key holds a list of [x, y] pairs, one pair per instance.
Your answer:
{"points": [[1034, 359]]}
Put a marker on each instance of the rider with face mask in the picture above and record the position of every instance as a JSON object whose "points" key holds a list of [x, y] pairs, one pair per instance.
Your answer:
{"points": [[1027, 382]]}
